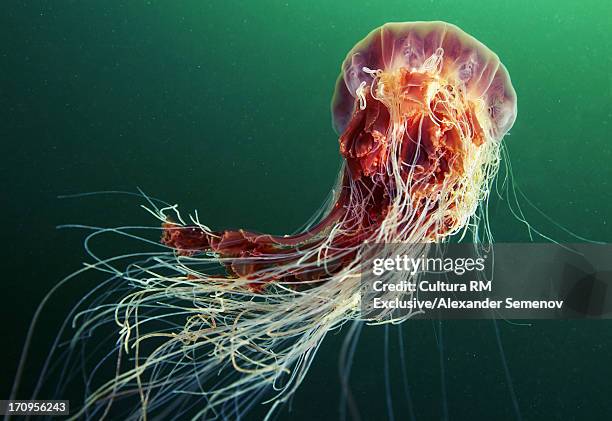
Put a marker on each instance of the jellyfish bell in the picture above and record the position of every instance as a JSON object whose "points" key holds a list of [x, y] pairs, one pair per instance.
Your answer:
{"points": [[420, 109], [404, 51]]}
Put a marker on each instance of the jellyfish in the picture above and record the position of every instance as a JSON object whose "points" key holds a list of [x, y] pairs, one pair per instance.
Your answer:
{"points": [[219, 320]]}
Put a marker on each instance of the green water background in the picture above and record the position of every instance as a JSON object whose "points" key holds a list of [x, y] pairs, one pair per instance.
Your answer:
{"points": [[224, 107]]}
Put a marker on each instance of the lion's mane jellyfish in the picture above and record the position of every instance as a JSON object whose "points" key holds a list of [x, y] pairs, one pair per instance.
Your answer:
{"points": [[236, 316]]}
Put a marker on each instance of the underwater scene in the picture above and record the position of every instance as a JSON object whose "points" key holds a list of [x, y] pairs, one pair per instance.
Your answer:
{"points": [[297, 210]]}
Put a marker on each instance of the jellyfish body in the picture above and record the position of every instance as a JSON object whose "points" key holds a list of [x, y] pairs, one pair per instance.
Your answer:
{"points": [[420, 109]]}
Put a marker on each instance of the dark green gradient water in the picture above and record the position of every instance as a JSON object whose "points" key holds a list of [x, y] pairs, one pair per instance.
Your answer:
{"points": [[224, 107]]}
